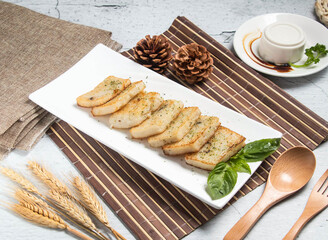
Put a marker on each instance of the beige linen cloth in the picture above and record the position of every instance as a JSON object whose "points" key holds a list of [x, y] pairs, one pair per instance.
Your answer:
{"points": [[34, 50]]}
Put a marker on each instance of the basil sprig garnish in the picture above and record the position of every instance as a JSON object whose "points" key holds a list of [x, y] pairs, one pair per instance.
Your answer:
{"points": [[258, 150], [222, 179]]}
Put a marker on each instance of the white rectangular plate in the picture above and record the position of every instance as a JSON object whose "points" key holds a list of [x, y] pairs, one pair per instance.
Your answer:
{"points": [[59, 98]]}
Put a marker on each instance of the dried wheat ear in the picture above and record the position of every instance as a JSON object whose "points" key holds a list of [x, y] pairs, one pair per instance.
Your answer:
{"points": [[47, 211]]}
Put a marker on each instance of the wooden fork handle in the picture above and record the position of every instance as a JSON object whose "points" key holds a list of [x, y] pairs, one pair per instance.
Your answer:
{"points": [[297, 227], [245, 224], [300, 223]]}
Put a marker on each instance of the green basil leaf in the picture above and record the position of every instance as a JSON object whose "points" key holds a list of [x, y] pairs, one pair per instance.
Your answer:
{"points": [[221, 180], [258, 150], [240, 165]]}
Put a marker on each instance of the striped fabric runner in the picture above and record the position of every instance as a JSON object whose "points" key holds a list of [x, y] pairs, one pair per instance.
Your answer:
{"points": [[155, 209]]}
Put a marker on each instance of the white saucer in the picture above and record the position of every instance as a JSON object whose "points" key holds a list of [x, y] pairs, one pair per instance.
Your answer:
{"points": [[314, 31]]}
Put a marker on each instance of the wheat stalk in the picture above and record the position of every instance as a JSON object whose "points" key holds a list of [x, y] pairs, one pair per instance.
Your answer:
{"points": [[72, 209], [49, 179], [90, 200], [25, 197], [44, 217], [63, 198], [33, 208], [91, 203], [47, 217], [74, 212], [20, 180]]}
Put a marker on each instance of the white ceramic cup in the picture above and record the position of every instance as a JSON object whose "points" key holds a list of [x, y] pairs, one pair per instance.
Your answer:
{"points": [[282, 43]]}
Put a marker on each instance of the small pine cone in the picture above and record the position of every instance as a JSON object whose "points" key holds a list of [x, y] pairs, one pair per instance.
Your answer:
{"points": [[193, 63], [154, 53]]}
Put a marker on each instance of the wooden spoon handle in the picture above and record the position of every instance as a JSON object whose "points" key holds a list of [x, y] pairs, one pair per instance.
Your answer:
{"points": [[245, 224]]}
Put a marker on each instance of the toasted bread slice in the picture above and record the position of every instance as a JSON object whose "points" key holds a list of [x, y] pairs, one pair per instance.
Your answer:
{"points": [[199, 134], [119, 101], [177, 129], [136, 111], [220, 148], [159, 120], [103, 92]]}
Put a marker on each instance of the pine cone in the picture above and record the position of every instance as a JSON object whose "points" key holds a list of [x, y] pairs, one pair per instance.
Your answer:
{"points": [[193, 63], [153, 53]]}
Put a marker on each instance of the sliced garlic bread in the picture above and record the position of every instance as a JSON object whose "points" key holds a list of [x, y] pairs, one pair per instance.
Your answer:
{"points": [[103, 92], [199, 134], [136, 111], [159, 120], [177, 129], [224, 144], [120, 100]]}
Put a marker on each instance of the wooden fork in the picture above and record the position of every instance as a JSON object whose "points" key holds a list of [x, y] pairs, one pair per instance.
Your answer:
{"points": [[318, 201]]}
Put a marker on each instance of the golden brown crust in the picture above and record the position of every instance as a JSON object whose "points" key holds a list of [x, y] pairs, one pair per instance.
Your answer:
{"points": [[136, 111], [120, 100], [223, 145], [177, 129], [103, 92], [200, 133], [159, 121]]}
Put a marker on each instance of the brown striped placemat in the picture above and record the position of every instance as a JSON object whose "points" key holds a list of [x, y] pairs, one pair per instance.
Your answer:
{"points": [[151, 207]]}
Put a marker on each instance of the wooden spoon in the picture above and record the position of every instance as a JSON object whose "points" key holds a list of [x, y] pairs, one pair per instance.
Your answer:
{"points": [[291, 171]]}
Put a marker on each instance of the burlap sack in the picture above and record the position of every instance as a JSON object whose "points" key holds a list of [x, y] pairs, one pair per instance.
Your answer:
{"points": [[33, 136], [34, 50]]}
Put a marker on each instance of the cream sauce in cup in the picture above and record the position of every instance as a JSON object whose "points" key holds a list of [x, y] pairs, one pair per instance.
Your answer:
{"points": [[282, 43]]}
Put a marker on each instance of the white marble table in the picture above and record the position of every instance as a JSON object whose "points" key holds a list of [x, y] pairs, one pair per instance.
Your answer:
{"points": [[131, 20]]}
